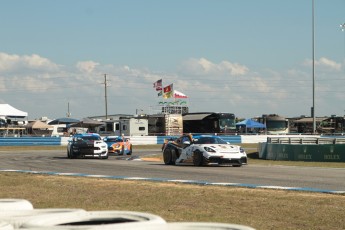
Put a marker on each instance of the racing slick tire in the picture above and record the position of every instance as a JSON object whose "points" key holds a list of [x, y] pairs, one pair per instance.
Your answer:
{"points": [[168, 156], [130, 149], [69, 155], [173, 156], [122, 150], [198, 158]]}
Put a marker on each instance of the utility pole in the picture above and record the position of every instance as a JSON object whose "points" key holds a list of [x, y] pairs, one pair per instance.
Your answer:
{"points": [[313, 54], [105, 96], [342, 27], [68, 113]]}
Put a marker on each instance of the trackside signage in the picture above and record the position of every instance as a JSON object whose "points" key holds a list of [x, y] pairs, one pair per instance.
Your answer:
{"points": [[306, 152]]}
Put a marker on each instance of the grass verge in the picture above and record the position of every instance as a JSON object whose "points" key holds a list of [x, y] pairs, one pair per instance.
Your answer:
{"points": [[258, 208]]}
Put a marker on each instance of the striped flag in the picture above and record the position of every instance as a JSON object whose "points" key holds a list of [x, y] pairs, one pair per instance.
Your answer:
{"points": [[178, 94]]}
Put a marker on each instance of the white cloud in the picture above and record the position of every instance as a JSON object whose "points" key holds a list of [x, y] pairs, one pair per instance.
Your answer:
{"points": [[325, 64], [12, 62], [87, 66], [329, 64], [203, 66]]}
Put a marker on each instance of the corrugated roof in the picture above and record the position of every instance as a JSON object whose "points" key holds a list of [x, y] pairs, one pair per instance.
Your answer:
{"points": [[198, 116], [310, 119]]}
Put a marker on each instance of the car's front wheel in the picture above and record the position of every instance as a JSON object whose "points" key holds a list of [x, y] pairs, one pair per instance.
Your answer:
{"points": [[69, 154], [198, 158], [130, 150], [240, 165], [122, 150], [169, 156]]}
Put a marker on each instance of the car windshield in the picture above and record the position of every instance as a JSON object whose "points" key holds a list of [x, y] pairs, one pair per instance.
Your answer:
{"points": [[113, 140], [209, 140], [91, 138]]}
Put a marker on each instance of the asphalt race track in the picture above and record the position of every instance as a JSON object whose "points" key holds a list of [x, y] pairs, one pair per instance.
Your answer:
{"points": [[314, 179]]}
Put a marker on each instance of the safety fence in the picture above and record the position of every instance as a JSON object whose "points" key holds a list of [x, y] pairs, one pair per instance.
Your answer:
{"points": [[303, 149]]}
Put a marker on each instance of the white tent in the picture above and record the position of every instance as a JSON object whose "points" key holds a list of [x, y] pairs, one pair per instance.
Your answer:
{"points": [[7, 110]]}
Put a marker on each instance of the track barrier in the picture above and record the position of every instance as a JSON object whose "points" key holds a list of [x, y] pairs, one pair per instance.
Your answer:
{"points": [[303, 149]]}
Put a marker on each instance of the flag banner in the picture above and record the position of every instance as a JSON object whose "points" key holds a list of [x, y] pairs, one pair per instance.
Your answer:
{"points": [[178, 94], [178, 102], [168, 95], [168, 91], [168, 88], [160, 93], [158, 85]]}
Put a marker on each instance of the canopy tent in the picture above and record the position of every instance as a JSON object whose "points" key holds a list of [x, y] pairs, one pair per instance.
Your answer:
{"points": [[249, 123], [39, 128], [38, 125], [63, 120], [7, 110]]}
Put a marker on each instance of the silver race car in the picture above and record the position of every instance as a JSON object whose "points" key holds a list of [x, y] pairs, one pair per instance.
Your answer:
{"points": [[203, 150]]}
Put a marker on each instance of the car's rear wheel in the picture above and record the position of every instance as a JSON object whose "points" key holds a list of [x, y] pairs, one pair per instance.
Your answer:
{"points": [[198, 158], [173, 156]]}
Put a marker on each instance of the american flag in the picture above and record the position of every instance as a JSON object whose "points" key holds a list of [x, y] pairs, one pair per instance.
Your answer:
{"points": [[158, 85]]}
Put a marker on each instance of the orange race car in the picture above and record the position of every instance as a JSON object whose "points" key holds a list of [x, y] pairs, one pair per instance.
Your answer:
{"points": [[119, 145]]}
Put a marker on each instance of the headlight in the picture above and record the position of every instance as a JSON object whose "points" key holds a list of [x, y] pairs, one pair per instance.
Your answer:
{"points": [[210, 150]]}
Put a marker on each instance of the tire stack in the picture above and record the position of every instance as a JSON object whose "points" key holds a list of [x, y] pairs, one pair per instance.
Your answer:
{"points": [[20, 214]]}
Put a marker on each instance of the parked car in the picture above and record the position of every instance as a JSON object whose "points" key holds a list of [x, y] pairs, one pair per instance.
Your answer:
{"points": [[203, 150], [87, 145], [119, 145]]}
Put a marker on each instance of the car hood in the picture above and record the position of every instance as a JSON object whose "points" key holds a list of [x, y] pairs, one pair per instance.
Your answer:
{"points": [[222, 147]]}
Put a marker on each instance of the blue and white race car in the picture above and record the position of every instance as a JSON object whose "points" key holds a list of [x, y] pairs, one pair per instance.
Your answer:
{"points": [[203, 150], [87, 145]]}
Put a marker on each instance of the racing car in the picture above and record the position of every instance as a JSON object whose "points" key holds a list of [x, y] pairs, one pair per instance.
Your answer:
{"points": [[87, 145], [119, 145], [203, 150]]}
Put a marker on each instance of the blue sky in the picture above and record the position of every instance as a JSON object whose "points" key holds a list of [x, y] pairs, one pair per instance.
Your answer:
{"points": [[242, 56]]}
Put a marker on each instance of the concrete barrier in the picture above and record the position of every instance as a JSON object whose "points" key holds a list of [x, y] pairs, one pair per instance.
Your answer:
{"points": [[139, 140], [29, 141]]}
